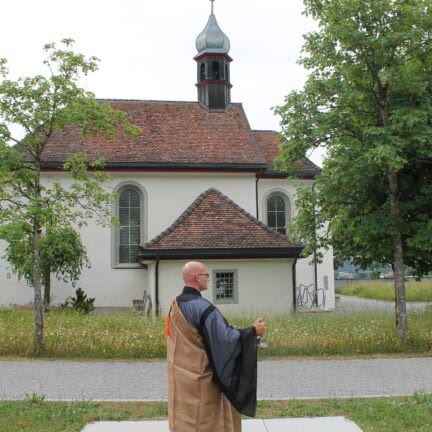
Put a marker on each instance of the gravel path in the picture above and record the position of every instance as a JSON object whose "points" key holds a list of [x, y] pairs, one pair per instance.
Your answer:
{"points": [[287, 379], [351, 304]]}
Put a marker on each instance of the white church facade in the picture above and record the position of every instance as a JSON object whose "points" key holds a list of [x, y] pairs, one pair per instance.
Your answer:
{"points": [[196, 184]]}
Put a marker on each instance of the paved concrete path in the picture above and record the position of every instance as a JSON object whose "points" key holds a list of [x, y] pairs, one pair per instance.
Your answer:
{"points": [[146, 381], [321, 424]]}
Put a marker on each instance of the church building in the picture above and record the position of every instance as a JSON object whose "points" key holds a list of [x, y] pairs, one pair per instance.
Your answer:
{"points": [[198, 183]]}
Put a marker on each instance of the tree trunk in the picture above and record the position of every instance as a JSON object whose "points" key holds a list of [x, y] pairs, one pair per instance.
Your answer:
{"points": [[37, 286], [47, 285], [398, 263]]}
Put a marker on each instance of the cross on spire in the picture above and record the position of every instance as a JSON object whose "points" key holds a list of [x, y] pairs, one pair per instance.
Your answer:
{"points": [[212, 1]]}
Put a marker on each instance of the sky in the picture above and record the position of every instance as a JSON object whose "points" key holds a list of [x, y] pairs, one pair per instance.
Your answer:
{"points": [[146, 48]]}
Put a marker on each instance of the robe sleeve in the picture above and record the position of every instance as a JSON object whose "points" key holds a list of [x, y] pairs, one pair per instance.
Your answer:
{"points": [[233, 357]]}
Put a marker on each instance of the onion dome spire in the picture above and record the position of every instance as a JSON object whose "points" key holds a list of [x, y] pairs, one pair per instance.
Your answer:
{"points": [[213, 69], [212, 39]]}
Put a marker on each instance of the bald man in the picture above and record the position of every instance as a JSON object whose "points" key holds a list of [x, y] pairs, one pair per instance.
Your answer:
{"points": [[212, 367]]}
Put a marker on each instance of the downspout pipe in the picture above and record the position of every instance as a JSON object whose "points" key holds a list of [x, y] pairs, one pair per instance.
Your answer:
{"points": [[294, 285], [256, 197], [157, 309], [315, 296]]}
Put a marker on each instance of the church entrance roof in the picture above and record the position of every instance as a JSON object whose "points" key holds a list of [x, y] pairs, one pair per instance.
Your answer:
{"points": [[213, 226]]}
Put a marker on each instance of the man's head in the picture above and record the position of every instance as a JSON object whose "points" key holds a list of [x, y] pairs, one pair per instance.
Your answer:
{"points": [[195, 275]]}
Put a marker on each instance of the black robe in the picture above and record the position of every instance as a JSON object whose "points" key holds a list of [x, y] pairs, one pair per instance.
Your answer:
{"points": [[232, 352]]}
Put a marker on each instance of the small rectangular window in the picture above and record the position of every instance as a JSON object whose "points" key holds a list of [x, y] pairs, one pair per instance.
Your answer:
{"points": [[225, 286]]}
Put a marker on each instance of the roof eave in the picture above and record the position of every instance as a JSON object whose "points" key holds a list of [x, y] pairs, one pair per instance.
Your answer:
{"points": [[283, 174], [209, 52], [285, 252], [172, 165]]}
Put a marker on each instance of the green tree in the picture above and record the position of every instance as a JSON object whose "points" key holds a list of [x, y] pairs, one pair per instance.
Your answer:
{"points": [[62, 254], [367, 101], [32, 210]]}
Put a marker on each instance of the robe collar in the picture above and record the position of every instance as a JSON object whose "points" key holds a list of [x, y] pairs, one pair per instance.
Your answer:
{"points": [[191, 291]]}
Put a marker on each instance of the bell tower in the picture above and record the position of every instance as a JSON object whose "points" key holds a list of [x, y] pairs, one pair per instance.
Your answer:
{"points": [[213, 66]]}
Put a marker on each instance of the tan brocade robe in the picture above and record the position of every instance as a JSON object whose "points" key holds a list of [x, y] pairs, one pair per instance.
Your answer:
{"points": [[195, 402]]}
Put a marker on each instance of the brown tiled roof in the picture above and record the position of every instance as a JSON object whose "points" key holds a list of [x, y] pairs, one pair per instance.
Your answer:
{"points": [[173, 133], [215, 225], [269, 143]]}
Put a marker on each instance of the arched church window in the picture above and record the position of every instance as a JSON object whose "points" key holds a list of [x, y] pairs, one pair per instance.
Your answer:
{"points": [[278, 212], [226, 73], [130, 216], [202, 72], [215, 70]]}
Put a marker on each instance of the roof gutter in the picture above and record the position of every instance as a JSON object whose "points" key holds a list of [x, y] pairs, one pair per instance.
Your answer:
{"points": [[230, 253], [170, 165], [282, 174]]}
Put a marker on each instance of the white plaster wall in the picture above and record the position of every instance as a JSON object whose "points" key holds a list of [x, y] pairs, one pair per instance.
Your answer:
{"points": [[168, 195], [305, 271], [170, 283], [12, 291], [326, 273], [289, 187], [151, 283], [110, 287], [264, 286]]}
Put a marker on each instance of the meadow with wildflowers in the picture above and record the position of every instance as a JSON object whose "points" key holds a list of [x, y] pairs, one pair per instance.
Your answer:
{"points": [[129, 335], [415, 291], [70, 334]]}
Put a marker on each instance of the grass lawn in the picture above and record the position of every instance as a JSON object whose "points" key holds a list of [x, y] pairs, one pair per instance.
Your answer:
{"points": [[378, 290], [408, 414], [130, 336]]}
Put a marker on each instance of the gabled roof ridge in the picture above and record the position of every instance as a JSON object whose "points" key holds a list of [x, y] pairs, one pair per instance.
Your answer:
{"points": [[179, 220], [312, 163], [266, 131], [196, 203], [145, 101], [269, 143], [160, 101], [247, 214], [251, 134]]}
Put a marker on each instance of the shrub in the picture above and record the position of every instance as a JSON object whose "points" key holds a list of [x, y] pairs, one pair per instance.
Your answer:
{"points": [[81, 302]]}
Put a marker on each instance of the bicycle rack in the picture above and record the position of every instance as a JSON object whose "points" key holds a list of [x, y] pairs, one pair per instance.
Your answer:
{"points": [[307, 297]]}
